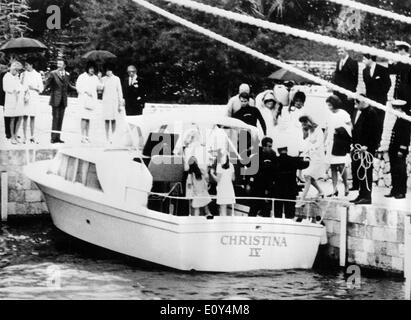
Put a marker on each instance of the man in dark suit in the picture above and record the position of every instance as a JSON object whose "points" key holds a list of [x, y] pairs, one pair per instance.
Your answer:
{"points": [[346, 76], [377, 84], [398, 152], [285, 182], [133, 92], [59, 84], [262, 181], [365, 139], [403, 74]]}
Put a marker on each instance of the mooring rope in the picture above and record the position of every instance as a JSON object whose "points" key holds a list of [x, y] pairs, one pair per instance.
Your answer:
{"points": [[291, 31], [366, 160], [370, 9], [267, 59]]}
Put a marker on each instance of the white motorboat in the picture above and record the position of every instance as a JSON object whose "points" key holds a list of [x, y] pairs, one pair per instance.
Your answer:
{"points": [[128, 201]]}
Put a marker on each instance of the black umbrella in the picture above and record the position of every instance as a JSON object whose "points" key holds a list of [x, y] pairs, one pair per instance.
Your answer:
{"points": [[286, 75], [22, 45], [99, 55]]}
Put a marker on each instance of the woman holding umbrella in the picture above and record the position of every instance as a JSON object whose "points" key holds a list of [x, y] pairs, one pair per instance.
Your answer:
{"points": [[14, 100], [33, 83], [112, 99]]}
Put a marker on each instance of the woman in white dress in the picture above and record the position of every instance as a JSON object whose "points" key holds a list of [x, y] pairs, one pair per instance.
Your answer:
{"points": [[14, 100], [112, 100], [338, 120], [315, 151], [33, 85], [224, 175], [87, 86]]}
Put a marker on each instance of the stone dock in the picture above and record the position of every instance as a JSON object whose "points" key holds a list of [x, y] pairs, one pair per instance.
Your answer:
{"points": [[374, 235]]}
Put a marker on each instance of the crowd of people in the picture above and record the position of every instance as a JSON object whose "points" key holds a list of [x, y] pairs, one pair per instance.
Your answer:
{"points": [[351, 137], [21, 86], [303, 149]]}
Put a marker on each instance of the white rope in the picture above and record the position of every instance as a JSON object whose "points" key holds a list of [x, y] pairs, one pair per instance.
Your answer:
{"points": [[366, 160], [370, 9], [266, 58], [292, 31]]}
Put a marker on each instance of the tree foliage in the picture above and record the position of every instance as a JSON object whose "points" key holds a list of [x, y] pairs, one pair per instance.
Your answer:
{"points": [[180, 65]]}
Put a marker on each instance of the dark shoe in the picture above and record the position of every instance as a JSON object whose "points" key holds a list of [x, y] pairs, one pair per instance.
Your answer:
{"points": [[363, 202], [354, 189], [399, 196], [390, 195], [355, 200], [60, 141], [333, 195]]}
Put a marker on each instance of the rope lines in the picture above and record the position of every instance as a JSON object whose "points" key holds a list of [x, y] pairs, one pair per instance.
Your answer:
{"points": [[326, 40], [373, 10], [266, 58]]}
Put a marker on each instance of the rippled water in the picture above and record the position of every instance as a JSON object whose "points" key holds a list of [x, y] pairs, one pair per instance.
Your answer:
{"points": [[33, 253]]}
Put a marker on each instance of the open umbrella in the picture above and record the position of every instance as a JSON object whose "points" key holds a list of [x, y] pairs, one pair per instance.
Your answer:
{"points": [[285, 75], [99, 55], [22, 45]]}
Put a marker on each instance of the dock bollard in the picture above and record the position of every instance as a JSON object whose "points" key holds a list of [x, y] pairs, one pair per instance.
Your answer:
{"points": [[343, 236], [4, 195]]}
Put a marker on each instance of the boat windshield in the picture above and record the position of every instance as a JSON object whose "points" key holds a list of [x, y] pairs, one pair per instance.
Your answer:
{"points": [[75, 170]]}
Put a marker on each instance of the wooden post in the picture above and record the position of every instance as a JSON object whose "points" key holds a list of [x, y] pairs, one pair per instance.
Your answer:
{"points": [[343, 237], [4, 195], [407, 257]]}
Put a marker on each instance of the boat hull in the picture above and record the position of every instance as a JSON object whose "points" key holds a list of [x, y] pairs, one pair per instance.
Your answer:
{"points": [[223, 244]]}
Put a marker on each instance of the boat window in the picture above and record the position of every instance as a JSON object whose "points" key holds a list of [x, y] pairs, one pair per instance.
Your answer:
{"points": [[81, 174], [71, 168], [63, 166], [92, 180]]}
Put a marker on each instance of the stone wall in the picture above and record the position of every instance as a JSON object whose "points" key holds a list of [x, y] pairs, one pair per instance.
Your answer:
{"points": [[375, 236], [24, 198]]}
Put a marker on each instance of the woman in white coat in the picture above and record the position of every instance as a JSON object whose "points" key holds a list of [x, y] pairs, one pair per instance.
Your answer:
{"points": [[112, 100], [33, 84], [14, 99], [87, 85]]}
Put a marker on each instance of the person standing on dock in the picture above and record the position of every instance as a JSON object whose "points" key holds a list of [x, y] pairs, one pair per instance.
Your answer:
{"points": [[402, 89], [2, 99], [14, 99], [112, 100], [377, 84], [87, 85], [133, 92], [346, 76], [364, 145], [33, 83], [398, 152], [59, 84]]}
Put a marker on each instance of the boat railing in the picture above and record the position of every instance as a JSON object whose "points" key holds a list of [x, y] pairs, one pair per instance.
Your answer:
{"points": [[305, 205]]}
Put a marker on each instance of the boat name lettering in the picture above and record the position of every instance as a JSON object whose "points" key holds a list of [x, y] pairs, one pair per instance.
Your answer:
{"points": [[260, 241]]}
